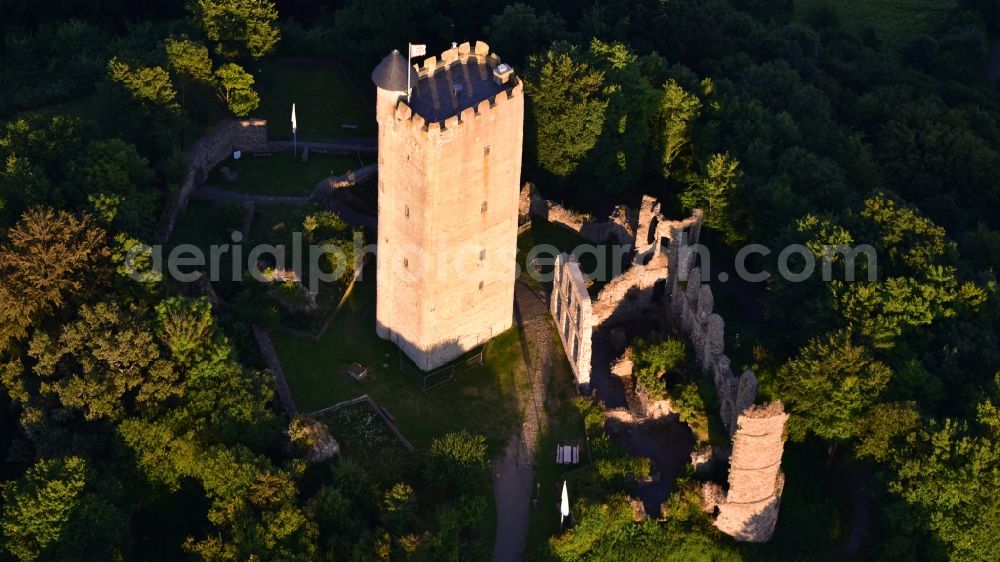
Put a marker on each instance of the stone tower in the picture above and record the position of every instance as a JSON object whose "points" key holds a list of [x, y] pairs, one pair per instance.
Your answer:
{"points": [[449, 165]]}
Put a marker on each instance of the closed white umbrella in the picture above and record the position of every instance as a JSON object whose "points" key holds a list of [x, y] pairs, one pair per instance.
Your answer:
{"points": [[564, 508], [295, 128]]}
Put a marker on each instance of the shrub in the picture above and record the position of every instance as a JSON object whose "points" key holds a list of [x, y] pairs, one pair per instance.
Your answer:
{"points": [[653, 360], [686, 400], [457, 461]]}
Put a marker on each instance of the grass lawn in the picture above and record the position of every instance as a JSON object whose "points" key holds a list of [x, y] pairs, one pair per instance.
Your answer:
{"points": [[565, 426], [324, 100], [481, 400], [895, 20], [281, 173], [271, 218]]}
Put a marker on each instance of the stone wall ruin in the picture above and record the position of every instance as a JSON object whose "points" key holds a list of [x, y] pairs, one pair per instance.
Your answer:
{"points": [[627, 296], [571, 309], [748, 510], [219, 143]]}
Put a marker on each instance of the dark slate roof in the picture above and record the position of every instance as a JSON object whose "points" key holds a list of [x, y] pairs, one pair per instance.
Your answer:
{"points": [[435, 97], [390, 74]]}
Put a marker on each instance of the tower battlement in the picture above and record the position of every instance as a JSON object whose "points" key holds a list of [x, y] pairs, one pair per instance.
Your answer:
{"points": [[452, 88], [409, 118]]}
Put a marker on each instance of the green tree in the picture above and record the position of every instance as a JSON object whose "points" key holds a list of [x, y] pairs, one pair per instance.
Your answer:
{"points": [[117, 185], [677, 110], [238, 27], [368, 31], [106, 364], [253, 507], [653, 360], [33, 153], [829, 386], [53, 513], [520, 31], [619, 157], [190, 64], [715, 192], [564, 107], [608, 531], [235, 89], [399, 508], [917, 282], [950, 472], [147, 84], [186, 327], [139, 104]]}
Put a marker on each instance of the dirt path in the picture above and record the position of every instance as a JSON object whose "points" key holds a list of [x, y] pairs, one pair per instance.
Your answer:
{"points": [[217, 195], [514, 470]]}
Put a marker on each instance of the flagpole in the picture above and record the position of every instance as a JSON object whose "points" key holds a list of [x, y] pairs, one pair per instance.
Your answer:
{"points": [[409, 70]]}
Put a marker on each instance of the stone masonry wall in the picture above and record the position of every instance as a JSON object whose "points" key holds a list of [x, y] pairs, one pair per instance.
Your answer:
{"points": [[619, 228], [749, 509], [218, 144], [448, 216], [571, 309], [628, 296]]}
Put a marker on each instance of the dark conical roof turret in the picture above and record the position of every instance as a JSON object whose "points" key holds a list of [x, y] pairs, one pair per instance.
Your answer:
{"points": [[390, 74]]}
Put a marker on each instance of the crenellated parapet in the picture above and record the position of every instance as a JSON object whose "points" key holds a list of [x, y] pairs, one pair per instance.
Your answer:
{"points": [[462, 85], [406, 116]]}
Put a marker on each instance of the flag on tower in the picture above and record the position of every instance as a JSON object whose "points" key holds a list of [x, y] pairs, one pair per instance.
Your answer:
{"points": [[417, 50], [294, 124]]}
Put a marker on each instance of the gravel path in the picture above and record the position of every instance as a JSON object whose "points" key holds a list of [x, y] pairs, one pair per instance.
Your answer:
{"points": [[514, 470]]}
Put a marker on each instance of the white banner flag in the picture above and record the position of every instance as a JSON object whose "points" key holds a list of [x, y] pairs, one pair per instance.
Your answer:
{"points": [[417, 50], [294, 124]]}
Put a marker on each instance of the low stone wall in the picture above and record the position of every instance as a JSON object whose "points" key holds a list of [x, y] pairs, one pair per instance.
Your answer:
{"points": [[274, 365], [246, 135], [327, 186], [748, 511], [571, 309], [619, 228]]}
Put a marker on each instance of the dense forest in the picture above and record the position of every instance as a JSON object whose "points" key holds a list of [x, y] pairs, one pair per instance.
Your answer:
{"points": [[139, 424]]}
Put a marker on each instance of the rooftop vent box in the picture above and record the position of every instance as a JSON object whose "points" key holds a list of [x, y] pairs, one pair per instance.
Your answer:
{"points": [[502, 73]]}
